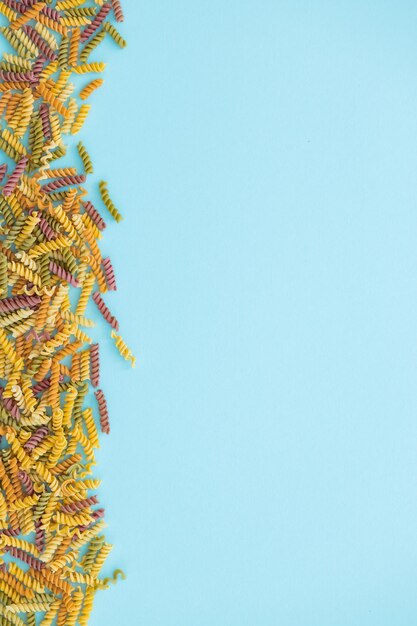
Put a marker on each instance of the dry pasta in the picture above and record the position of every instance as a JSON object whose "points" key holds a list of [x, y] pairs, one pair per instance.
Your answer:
{"points": [[52, 546]]}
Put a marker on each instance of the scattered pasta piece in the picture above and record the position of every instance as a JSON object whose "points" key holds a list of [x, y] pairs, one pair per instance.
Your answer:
{"points": [[125, 352], [108, 201], [92, 86]]}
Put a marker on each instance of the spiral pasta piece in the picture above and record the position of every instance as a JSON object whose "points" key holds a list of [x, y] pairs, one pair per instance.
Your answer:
{"points": [[114, 34], [90, 88], [108, 202], [73, 47], [123, 349], [118, 11], [85, 157], [80, 118]]}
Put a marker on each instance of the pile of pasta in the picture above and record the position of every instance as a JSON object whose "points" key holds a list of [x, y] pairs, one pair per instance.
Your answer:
{"points": [[52, 546]]}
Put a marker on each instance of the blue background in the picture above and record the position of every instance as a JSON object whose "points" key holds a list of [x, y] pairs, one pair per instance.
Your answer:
{"points": [[262, 468]]}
